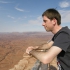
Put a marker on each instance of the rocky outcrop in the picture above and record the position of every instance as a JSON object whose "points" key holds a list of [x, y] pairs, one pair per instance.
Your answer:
{"points": [[28, 62], [25, 64]]}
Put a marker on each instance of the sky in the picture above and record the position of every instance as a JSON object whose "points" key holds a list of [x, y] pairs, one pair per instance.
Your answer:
{"points": [[26, 15]]}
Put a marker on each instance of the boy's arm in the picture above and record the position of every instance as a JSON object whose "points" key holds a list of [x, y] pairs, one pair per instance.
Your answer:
{"points": [[46, 57], [45, 46]]}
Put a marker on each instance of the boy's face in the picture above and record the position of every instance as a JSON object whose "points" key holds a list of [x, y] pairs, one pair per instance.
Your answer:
{"points": [[48, 24]]}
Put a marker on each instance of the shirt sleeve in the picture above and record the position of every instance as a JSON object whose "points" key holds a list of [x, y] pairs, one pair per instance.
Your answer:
{"points": [[62, 41]]}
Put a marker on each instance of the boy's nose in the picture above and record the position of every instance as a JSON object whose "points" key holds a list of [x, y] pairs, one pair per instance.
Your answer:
{"points": [[43, 24]]}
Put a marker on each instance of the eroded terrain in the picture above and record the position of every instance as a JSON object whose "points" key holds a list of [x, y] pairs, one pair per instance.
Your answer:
{"points": [[13, 46]]}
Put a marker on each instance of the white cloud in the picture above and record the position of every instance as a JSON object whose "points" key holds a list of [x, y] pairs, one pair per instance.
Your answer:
{"points": [[10, 17], [37, 21], [64, 4], [19, 9], [65, 14], [4, 2]]}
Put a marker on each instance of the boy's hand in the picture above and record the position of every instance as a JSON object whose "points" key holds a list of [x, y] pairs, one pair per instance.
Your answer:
{"points": [[30, 48]]}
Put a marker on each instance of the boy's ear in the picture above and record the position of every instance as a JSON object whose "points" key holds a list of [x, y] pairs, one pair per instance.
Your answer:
{"points": [[55, 21]]}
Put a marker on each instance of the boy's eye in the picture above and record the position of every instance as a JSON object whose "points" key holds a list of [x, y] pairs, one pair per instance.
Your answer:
{"points": [[45, 21]]}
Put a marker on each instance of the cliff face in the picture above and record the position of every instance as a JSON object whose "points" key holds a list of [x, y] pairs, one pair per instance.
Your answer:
{"points": [[25, 64], [28, 62]]}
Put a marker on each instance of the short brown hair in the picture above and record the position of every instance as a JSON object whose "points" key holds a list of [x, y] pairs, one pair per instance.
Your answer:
{"points": [[51, 14]]}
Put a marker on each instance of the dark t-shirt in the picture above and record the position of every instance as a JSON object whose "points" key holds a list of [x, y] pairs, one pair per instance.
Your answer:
{"points": [[62, 40]]}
